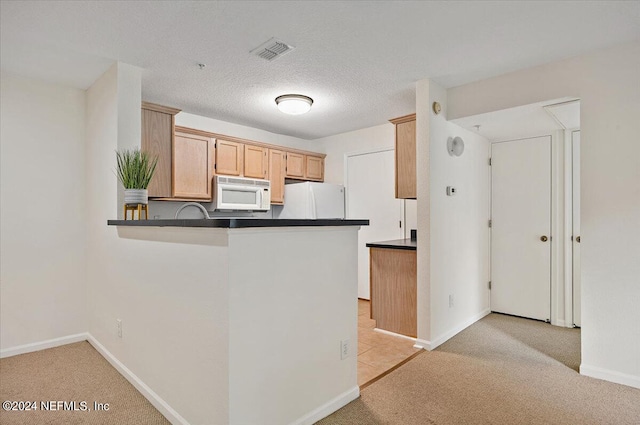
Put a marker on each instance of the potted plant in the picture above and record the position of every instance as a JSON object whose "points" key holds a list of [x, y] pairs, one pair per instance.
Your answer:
{"points": [[135, 170]]}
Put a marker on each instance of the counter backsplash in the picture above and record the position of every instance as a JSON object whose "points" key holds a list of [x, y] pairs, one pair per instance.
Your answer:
{"points": [[167, 210]]}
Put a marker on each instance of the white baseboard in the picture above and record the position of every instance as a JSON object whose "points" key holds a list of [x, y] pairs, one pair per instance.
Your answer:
{"points": [[157, 402], [610, 375], [430, 345], [328, 408], [382, 331], [42, 345], [422, 343]]}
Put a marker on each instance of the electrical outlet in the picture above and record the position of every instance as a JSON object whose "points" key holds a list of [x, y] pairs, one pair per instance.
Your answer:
{"points": [[119, 327], [451, 301], [344, 349]]}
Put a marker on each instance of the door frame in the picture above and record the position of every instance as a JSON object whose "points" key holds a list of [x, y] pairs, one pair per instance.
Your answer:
{"points": [[561, 313], [568, 233]]}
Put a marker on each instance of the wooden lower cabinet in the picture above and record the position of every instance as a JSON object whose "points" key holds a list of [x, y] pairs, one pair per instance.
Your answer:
{"points": [[393, 280], [277, 164], [193, 166]]}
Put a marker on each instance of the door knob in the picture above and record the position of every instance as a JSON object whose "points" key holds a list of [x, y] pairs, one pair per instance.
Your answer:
{"points": [[544, 238], [578, 239]]}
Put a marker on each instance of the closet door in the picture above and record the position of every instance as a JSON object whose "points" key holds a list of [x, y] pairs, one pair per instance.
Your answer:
{"points": [[521, 228]]}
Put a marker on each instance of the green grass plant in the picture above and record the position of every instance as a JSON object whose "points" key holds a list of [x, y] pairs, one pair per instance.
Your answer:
{"points": [[135, 168]]}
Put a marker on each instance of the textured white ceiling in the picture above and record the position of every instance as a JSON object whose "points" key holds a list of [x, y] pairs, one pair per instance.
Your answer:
{"points": [[359, 61]]}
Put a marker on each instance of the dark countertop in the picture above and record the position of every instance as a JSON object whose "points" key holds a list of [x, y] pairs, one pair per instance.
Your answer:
{"points": [[395, 244], [236, 223]]}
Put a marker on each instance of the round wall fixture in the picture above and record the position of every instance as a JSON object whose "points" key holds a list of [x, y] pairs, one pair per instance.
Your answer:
{"points": [[294, 104], [455, 146]]}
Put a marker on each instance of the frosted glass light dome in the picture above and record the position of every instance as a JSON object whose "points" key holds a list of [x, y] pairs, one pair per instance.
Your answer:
{"points": [[294, 104]]}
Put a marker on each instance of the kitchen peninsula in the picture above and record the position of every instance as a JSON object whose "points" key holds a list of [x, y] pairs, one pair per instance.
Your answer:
{"points": [[274, 302]]}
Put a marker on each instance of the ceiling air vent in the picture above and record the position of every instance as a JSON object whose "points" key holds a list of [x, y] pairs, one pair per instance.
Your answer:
{"points": [[272, 49]]}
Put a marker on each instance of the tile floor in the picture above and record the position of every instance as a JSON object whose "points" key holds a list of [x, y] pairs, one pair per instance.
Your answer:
{"points": [[377, 352]]}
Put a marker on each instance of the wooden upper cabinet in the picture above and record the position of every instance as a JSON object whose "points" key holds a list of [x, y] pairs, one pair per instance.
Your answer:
{"points": [[295, 165], [256, 161], [189, 158], [193, 166], [314, 169], [277, 164], [405, 153], [157, 140], [229, 157]]}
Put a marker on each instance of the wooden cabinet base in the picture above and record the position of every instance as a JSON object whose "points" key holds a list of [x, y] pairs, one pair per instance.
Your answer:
{"points": [[393, 280]]}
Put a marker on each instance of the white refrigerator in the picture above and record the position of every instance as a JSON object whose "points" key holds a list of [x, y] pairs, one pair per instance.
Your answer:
{"points": [[310, 200]]}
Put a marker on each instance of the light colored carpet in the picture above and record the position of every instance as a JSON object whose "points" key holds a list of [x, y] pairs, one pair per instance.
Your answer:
{"points": [[501, 370], [74, 372]]}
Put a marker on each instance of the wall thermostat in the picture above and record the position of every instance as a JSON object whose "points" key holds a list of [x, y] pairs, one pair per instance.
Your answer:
{"points": [[451, 191]]}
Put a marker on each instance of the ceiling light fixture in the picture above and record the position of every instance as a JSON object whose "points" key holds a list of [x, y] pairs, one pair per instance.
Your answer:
{"points": [[294, 104]]}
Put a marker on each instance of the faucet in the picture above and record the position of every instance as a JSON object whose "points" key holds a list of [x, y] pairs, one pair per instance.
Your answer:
{"points": [[192, 204]]}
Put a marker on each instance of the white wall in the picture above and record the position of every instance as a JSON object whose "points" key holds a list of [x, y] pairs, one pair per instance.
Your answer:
{"points": [[42, 262], [607, 84], [459, 236], [182, 340], [185, 119]]}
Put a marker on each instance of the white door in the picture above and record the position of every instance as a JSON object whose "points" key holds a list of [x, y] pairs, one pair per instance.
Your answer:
{"points": [[575, 147], [370, 182], [521, 225]]}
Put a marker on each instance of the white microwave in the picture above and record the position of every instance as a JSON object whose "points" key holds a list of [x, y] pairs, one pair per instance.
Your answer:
{"points": [[241, 194]]}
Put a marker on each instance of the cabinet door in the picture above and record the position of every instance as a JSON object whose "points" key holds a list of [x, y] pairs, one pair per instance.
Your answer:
{"points": [[295, 165], [157, 138], [314, 168], [193, 161], [406, 160], [277, 165], [228, 157], [394, 290], [255, 161]]}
